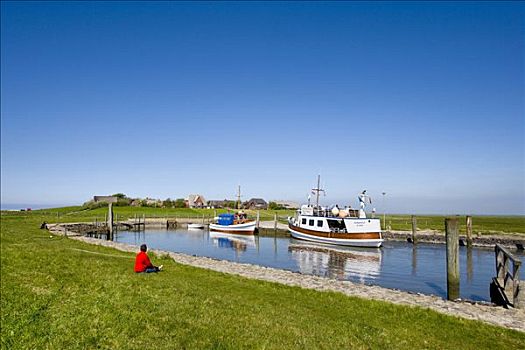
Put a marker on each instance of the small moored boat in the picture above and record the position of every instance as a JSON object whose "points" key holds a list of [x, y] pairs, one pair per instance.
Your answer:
{"points": [[233, 223], [193, 226]]}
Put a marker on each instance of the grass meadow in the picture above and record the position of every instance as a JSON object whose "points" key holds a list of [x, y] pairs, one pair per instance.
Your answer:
{"points": [[482, 225], [58, 293]]}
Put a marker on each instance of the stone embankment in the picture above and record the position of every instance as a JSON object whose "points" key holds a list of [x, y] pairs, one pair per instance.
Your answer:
{"points": [[509, 318]]}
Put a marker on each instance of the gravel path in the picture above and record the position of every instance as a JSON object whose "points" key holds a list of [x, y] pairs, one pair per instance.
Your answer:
{"points": [[509, 318]]}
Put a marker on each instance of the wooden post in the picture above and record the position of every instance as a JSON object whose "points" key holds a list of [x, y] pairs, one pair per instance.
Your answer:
{"points": [[414, 229], [110, 218], [257, 219], [452, 236], [469, 231], [275, 221], [516, 286]]}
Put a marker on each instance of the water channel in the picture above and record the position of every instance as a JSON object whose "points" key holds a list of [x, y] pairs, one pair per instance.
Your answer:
{"points": [[398, 265]]}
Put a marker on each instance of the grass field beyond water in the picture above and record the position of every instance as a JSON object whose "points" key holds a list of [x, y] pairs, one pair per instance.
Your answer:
{"points": [[58, 293], [481, 224]]}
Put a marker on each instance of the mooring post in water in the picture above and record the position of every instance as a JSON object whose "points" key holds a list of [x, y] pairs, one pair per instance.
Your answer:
{"points": [[452, 236], [275, 221], [469, 231], [257, 219], [110, 218], [110, 200], [414, 229]]}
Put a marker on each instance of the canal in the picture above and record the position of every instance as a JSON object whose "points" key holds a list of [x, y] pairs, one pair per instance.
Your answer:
{"points": [[397, 265]]}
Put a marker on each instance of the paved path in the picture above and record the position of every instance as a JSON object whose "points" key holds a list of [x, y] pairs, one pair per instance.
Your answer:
{"points": [[509, 318]]}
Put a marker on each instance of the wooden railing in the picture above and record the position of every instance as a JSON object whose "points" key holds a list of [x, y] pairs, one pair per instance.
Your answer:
{"points": [[507, 277]]}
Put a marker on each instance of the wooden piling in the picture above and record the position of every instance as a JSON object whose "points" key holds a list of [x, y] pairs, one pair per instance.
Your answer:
{"points": [[414, 229], [257, 222], [110, 218], [469, 231], [452, 237], [275, 221]]}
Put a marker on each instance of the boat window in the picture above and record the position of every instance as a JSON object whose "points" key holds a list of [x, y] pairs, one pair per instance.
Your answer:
{"points": [[336, 224], [319, 223], [304, 221], [311, 222]]}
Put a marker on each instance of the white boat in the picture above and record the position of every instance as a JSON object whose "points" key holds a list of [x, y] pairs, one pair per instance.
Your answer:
{"points": [[230, 223], [192, 226], [347, 227]]}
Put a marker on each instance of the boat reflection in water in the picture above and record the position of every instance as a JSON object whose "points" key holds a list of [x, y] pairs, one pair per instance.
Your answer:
{"points": [[344, 263], [239, 243]]}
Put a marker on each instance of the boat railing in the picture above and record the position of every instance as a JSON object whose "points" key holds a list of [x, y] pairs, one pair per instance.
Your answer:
{"points": [[352, 213]]}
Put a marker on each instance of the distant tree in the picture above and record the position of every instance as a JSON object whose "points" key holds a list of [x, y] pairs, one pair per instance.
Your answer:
{"points": [[275, 206], [230, 204], [120, 195], [179, 203], [168, 203]]}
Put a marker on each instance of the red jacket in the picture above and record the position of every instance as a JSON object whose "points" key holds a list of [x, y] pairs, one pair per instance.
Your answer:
{"points": [[142, 262]]}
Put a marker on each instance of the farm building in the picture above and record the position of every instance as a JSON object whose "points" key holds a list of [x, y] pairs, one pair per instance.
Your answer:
{"points": [[195, 201], [255, 203]]}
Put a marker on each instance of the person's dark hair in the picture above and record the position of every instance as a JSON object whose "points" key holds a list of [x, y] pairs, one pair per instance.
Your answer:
{"points": [[143, 248]]}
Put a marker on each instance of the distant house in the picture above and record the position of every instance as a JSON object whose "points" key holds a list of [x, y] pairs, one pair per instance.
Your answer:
{"points": [[152, 202], [217, 204], [255, 203], [195, 201], [136, 202], [287, 204]]}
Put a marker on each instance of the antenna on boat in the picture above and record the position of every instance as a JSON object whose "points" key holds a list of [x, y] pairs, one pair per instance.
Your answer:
{"points": [[317, 190], [239, 197]]}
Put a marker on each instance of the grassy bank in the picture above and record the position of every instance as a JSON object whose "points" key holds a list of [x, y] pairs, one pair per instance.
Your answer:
{"points": [[60, 293], [481, 224]]}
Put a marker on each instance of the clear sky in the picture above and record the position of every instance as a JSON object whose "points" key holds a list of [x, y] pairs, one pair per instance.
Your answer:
{"points": [[424, 101]]}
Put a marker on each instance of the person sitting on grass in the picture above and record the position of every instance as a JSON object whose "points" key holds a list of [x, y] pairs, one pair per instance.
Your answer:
{"points": [[142, 262]]}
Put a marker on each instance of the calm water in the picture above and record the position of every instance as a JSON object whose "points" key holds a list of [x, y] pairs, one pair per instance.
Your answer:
{"points": [[398, 265]]}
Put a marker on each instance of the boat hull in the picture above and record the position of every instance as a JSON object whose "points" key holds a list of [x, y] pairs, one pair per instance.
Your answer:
{"points": [[361, 239], [247, 228], [195, 226]]}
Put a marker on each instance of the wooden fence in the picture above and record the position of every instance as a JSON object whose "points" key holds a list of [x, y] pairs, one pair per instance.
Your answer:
{"points": [[506, 284]]}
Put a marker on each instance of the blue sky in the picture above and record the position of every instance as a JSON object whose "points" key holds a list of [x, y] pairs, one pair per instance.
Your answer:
{"points": [[424, 101]]}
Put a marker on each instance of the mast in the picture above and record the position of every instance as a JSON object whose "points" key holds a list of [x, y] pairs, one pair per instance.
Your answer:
{"points": [[239, 197], [317, 191]]}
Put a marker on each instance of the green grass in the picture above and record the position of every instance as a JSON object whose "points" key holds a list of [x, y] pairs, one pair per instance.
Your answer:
{"points": [[69, 214], [481, 224], [59, 293]]}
